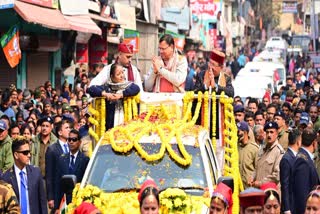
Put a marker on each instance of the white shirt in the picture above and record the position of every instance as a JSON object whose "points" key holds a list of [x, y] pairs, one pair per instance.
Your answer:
{"points": [[104, 76], [62, 146], [75, 157], [17, 172], [294, 152], [309, 153]]}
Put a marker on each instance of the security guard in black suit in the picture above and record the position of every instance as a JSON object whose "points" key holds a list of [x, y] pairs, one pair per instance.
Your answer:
{"points": [[286, 168], [305, 176]]}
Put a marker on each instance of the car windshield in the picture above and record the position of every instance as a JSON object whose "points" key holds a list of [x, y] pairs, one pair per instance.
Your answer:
{"points": [[114, 171]]}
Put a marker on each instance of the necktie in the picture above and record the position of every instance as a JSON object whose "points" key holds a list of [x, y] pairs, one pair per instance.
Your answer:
{"points": [[23, 194], [65, 148], [72, 164]]}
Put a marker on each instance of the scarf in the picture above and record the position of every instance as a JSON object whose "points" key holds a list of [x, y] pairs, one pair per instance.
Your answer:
{"points": [[162, 84], [119, 87]]}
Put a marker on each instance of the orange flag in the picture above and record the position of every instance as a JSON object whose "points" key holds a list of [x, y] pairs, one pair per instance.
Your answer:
{"points": [[11, 48]]}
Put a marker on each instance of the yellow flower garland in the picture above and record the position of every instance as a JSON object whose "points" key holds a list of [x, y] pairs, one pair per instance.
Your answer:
{"points": [[102, 117], [133, 132], [174, 200], [125, 108], [93, 134], [115, 203], [206, 110], [124, 139], [231, 167], [214, 120]]}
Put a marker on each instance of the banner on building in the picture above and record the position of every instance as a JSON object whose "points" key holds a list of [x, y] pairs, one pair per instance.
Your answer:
{"points": [[132, 37], [289, 7], [204, 13], [11, 47]]}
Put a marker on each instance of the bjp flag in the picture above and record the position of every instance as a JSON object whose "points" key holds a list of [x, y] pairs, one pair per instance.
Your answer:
{"points": [[11, 48]]}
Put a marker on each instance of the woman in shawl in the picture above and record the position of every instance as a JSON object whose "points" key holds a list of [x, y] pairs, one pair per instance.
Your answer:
{"points": [[114, 91]]}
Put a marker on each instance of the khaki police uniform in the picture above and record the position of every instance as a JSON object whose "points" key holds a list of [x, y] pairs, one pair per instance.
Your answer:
{"points": [[8, 200], [247, 158], [283, 139], [267, 163]]}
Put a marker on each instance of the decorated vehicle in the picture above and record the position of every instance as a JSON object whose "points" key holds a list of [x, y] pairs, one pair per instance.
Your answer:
{"points": [[169, 142]]}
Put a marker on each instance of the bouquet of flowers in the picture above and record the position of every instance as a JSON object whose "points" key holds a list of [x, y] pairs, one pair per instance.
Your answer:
{"points": [[174, 200]]}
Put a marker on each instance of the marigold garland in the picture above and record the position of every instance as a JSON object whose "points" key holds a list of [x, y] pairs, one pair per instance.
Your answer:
{"points": [[108, 203], [133, 132], [206, 110], [174, 200], [231, 166], [93, 134], [102, 117], [123, 139], [214, 120], [198, 107], [125, 108]]}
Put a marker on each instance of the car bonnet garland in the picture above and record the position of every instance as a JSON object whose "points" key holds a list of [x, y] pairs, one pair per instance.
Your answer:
{"points": [[123, 138]]}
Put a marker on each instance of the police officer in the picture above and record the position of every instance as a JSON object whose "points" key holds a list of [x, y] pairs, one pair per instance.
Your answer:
{"points": [[268, 158], [248, 151], [280, 119]]}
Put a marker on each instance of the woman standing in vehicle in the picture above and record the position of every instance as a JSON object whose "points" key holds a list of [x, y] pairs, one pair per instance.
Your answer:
{"points": [[221, 200], [149, 198], [114, 91]]}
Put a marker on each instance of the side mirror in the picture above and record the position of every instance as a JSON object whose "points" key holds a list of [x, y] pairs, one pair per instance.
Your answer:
{"points": [[227, 180], [68, 183]]}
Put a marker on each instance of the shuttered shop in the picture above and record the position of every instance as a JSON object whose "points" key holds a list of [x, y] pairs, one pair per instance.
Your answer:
{"points": [[8, 75], [37, 69]]}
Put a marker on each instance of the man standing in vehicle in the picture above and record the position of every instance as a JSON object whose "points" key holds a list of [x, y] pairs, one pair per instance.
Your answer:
{"points": [[169, 71], [215, 77], [131, 72]]}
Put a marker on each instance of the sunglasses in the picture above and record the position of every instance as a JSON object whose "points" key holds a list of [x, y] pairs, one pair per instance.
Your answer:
{"points": [[73, 139], [25, 152]]}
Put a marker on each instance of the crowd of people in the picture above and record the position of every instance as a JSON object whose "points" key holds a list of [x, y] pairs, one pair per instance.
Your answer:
{"points": [[44, 132]]}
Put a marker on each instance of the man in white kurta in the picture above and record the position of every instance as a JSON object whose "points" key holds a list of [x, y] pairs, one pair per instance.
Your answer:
{"points": [[130, 71]]}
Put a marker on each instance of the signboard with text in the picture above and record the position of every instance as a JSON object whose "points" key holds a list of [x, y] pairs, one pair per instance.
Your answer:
{"points": [[204, 12], [289, 7]]}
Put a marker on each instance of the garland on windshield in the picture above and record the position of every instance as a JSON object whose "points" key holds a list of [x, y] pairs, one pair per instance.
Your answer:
{"points": [[174, 199], [124, 138], [131, 134]]}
